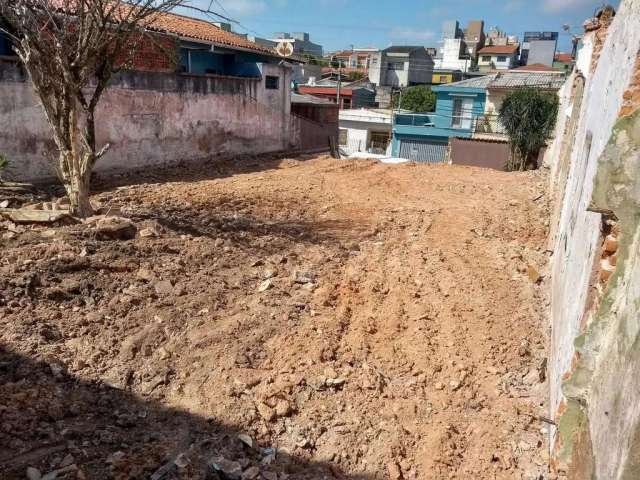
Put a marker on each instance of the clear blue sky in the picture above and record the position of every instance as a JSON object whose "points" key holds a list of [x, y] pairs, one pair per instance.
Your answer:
{"points": [[338, 24]]}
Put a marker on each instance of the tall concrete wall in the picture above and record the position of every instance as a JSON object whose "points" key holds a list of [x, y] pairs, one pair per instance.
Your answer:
{"points": [[156, 119], [595, 350]]}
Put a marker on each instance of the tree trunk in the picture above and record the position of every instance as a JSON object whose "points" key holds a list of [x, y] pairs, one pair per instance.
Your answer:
{"points": [[77, 185]]}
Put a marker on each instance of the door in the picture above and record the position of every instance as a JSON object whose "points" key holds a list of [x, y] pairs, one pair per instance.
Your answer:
{"points": [[462, 113], [423, 152]]}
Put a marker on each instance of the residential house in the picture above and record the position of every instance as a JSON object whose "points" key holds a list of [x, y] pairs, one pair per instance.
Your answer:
{"points": [[401, 66], [495, 36], [365, 130], [317, 121], [355, 60], [474, 38], [539, 47], [227, 96], [442, 76], [458, 49], [303, 73], [498, 57], [351, 95], [453, 56], [301, 43], [564, 62], [262, 41], [466, 109]]}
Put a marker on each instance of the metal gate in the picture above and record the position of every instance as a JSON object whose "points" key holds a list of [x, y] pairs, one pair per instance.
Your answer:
{"points": [[423, 152]]}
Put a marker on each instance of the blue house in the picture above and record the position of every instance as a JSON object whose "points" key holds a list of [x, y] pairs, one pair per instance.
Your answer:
{"points": [[466, 109], [424, 137]]}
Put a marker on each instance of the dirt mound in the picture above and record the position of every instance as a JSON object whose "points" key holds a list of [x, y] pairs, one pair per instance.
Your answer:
{"points": [[345, 319]]}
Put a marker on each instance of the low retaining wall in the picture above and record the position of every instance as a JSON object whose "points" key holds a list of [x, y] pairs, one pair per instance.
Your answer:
{"points": [[155, 119]]}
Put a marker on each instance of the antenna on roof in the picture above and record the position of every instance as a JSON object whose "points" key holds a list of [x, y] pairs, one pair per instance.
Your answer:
{"points": [[284, 48]]}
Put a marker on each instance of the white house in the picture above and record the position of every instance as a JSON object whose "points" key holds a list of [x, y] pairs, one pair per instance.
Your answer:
{"points": [[498, 57], [454, 56], [365, 130]]}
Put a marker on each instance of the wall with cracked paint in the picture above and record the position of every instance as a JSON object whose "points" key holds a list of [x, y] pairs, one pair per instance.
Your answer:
{"points": [[153, 119], [595, 350]]}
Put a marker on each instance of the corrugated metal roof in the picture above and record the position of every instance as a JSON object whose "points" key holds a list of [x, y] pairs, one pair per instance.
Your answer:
{"points": [[309, 99], [476, 82], [513, 79], [552, 81]]}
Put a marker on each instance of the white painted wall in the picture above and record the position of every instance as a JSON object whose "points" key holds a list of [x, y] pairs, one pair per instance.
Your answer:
{"points": [[577, 240]]}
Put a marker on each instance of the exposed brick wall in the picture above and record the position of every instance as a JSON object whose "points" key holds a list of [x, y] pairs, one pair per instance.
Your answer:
{"points": [[632, 96], [155, 54], [599, 27]]}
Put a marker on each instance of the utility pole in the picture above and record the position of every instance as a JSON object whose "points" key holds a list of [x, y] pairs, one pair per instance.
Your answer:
{"points": [[339, 79]]}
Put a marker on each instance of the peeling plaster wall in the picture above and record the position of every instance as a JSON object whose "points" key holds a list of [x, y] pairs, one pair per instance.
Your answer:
{"points": [[595, 350], [155, 119]]}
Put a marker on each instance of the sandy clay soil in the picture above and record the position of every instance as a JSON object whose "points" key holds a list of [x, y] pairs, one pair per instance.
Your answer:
{"points": [[282, 319]]}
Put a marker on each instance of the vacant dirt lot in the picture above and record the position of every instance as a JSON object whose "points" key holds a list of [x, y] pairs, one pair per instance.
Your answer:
{"points": [[346, 319]]}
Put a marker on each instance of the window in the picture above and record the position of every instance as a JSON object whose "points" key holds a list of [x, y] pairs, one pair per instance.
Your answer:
{"points": [[346, 103], [379, 142], [462, 113], [344, 134], [443, 79], [374, 61], [396, 66], [502, 58], [486, 58], [272, 83]]}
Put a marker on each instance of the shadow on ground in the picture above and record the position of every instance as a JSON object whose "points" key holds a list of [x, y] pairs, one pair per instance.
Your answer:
{"points": [[52, 420]]}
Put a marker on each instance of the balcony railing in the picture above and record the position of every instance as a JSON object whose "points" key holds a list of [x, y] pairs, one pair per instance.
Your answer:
{"points": [[413, 120], [489, 125]]}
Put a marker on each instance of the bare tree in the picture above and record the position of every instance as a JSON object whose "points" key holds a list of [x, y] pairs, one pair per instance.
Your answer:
{"points": [[71, 49]]}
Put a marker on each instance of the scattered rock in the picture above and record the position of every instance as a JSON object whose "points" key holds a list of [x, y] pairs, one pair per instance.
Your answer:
{"points": [[283, 408], [266, 285], [266, 411], [163, 288], [149, 232], [270, 475], [115, 228], [304, 277], [33, 474], [246, 439], [231, 470], [67, 460], [115, 457], [145, 275], [533, 274], [250, 473], [394, 471]]}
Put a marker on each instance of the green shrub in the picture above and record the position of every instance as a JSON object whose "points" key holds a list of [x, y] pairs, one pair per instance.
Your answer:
{"points": [[529, 117]]}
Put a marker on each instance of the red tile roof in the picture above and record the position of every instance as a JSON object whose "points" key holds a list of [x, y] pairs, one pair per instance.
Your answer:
{"points": [[310, 90], [197, 29], [535, 67], [564, 57], [187, 27], [499, 50]]}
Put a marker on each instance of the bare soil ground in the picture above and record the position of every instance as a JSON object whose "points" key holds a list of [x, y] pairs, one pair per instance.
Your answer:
{"points": [[346, 319]]}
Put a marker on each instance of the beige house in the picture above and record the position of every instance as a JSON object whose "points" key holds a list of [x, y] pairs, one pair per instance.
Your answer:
{"points": [[498, 57]]}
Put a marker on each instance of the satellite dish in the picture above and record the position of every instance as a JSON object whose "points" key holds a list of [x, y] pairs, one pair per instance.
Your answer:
{"points": [[284, 49]]}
